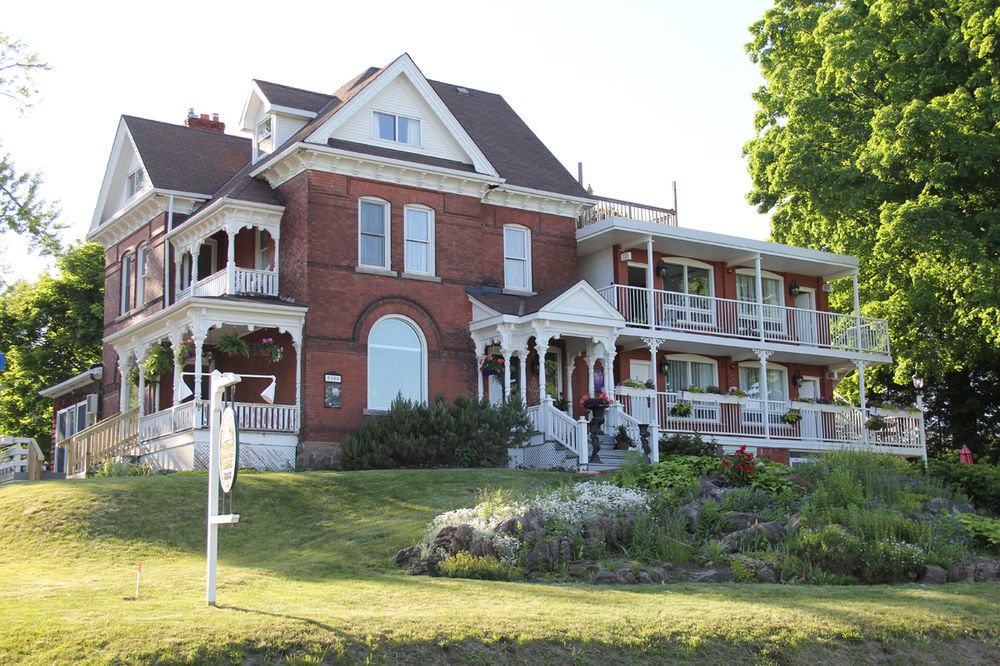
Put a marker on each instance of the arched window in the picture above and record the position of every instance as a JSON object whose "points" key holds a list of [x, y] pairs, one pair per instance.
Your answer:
{"points": [[128, 282], [397, 362]]}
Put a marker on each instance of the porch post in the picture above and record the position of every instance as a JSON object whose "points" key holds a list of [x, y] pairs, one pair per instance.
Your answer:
{"points": [[861, 365], [609, 370], [522, 357], [570, 367], [199, 341], [123, 369], [298, 382], [142, 390], [857, 311], [590, 359], [763, 355], [230, 261], [175, 341], [760, 297], [275, 264], [650, 294], [506, 371], [479, 373], [654, 416], [195, 255], [178, 262], [541, 350]]}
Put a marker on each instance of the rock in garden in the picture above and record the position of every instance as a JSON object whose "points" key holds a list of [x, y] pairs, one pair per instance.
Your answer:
{"points": [[607, 578], [582, 568], [628, 575], [962, 573], [531, 536], [543, 557], [762, 570], [644, 578], [482, 548], [933, 575], [404, 556], [736, 520], [941, 504], [692, 512], [792, 527], [428, 565], [772, 532], [720, 575], [706, 487], [987, 571]]}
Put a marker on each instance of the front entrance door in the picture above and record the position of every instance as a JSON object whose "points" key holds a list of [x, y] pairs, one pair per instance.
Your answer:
{"points": [[636, 295], [810, 418], [805, 316]]}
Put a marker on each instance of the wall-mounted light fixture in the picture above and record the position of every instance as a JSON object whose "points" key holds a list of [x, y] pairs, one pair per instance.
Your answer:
{"points": [[794, 288]]}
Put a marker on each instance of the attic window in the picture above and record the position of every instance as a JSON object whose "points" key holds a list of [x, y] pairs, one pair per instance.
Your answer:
{"points": [[396, 128], [263, 142], [134, 183]]}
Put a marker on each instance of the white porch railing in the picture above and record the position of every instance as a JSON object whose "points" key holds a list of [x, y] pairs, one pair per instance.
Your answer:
{"points": [[607, 208], [557, 425], [115, 436], [674, 311], [822, 426], [617, 416], [245, 281], [194, 415]]}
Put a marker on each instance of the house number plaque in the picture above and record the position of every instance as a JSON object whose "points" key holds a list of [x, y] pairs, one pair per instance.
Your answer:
{"points": [[332, 395]]}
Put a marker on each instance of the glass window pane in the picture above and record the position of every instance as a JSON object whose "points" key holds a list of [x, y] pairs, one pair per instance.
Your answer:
{"points": [[514, 243], [777, 387], [702, 374], [514, 275], [372, 218], [416, 256], [698, 281], [417, 226], [673, 280], [677, 376], [750, 381], [372, 250], [385, 126], [746, 287], [409, 131], [772, 291], [395, 363]]}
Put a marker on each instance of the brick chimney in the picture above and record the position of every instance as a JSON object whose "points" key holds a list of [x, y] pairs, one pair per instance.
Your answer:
{"points": [[204, 122]]}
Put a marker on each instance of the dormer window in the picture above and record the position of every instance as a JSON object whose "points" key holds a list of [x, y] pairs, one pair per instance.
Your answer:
{"points": [[134, 183], [263, 143], [396, 128]]}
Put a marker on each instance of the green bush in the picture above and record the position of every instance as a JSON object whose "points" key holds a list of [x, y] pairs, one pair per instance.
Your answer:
{"points": [[772, 477], [678, 472], [984, 528], [121, 466], [686, 445], [664, 540], [891, 561], [469, 433], [770, 505], [832, 549], [464, 565], [980, 483]]}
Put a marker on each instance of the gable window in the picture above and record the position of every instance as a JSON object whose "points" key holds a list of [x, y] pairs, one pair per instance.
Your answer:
{"points": [[396, 128], [140, 276], [689, 284], [263, 141], [517, 258], [134, 183], [128, 282], [419, 243], [397, 362], [373, 233]]}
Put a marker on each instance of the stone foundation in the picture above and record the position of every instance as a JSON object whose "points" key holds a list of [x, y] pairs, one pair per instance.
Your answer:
{"points": [[318, 455]]}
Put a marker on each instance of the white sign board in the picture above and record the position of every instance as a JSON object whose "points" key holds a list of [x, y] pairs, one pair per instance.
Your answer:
{"points": [[229, 450]]}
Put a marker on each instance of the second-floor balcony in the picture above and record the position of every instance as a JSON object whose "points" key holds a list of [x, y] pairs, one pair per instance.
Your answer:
{"points": [[707, 315], [238, 282]]}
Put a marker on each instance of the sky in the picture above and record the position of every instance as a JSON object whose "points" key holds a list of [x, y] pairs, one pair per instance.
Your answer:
{"points": [[642, 93]]}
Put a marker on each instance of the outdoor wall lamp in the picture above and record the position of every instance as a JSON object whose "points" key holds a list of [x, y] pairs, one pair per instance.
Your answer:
{"points": [[794, 288], [663, 366], [918, 381], [797, 379]]}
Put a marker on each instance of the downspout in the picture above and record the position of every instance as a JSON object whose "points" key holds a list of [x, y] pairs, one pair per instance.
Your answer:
{"points": [[166, 252]]}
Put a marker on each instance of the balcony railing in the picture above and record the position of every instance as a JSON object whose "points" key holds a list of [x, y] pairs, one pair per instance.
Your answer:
{"points": [[112, 437], [607, 208], [194, 415], [246, 281], [689, 313]]}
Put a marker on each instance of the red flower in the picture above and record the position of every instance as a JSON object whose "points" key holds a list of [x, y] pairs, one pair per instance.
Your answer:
{"points": [[726, 463]]}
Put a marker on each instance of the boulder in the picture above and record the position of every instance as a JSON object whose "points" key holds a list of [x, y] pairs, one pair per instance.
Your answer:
{"points": [[629, 576], [582, 568], [736, 520], [792, 527], [644, 578], [933, 575], [692, 512], [607, 578], [482, 548], [404, 556], [772, 532], [428, 565], [762, 570], [986, 571], [941, 504], [544, 556], [706, 487], [962, 573], [720, 575]]}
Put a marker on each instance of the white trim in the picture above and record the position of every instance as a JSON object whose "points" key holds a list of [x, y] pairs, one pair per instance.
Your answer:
{"points": [[386, 245], [141, 271], [526, 259], [691, 263], [424, 366], [90, 375], [431, 258], [694, 358], [258, 137]]}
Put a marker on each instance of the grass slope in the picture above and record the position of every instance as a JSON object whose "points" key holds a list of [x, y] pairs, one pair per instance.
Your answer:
{"points": [[307, 577]]}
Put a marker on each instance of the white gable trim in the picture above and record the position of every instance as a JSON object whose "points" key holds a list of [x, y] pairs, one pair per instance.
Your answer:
{"points": [[247, 118], [142, 210], [404, 66], [581, 300], [123, 138]]}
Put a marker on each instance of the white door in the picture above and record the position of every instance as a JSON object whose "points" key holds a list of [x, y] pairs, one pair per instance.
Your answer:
{"points": [[641, 409], [495, 389], [805, 316], [810, 418]]}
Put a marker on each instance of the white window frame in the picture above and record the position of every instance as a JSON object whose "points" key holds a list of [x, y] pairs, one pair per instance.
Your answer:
{"points": [[752, 409], [262, 249], [431, 267], [187, 270], [376, 134], [526, 260], [774, 317], [141, 266], [262, 131], [70, 417], [386, 247], [421, 338], [689, 310], [127, 282], [703, 410], [134, 183]]}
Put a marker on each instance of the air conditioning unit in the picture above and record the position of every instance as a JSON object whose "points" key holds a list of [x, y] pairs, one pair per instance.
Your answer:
{"points": [[831, 375], [626, 256]]}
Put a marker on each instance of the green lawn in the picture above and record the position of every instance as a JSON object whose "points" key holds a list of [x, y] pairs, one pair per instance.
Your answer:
{"points": [[307, 576]]}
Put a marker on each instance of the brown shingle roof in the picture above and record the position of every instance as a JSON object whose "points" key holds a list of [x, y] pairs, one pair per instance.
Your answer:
{"points": [[186, 159], [511, 304], [294, 98]]}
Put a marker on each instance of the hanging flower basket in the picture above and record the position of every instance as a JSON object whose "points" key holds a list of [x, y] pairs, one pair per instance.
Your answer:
{"points": [[185, 352], [232, 345], [159, 361], [875, 422], [491, 365], [791, 417], [269, 350]]}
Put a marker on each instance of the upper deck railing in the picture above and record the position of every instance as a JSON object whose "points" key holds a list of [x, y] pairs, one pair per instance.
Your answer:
{"points": [[607, 208]]}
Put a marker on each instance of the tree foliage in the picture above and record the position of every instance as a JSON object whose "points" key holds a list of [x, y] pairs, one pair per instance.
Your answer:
{"points": [[51, 330], [22, 210], [877, 137]]}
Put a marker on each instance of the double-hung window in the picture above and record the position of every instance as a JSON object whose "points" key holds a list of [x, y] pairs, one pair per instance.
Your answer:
{"points": [[419, 241], [128, 282], [689, 287], [689, 371], [777, 392], [262, 250], [746, 291], [373, 234], [263, 137], [400, 129], [517, 258], [142, 257], [134, 183]]}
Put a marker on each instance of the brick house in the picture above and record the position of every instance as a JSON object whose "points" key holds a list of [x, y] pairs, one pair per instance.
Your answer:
{"points": [[391, 236]]}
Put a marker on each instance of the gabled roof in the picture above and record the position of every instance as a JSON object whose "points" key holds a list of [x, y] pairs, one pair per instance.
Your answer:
{"points": [[292, 98], [184, 159]]}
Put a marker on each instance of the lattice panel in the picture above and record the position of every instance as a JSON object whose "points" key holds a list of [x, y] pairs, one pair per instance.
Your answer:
{"points": [[547, 455], [254, 456]]}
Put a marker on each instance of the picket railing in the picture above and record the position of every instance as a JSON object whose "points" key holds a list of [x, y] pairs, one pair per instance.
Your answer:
{"points": [[245, 281], [110, 438], [608, 208], [557, 425], [690, 313]]}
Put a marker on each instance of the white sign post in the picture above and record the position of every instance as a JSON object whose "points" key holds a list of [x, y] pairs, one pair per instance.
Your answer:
{"points": [[219, 382]]}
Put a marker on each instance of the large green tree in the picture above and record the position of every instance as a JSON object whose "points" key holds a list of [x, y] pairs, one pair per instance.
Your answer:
{"points": [[51, 330], [877, 136]]}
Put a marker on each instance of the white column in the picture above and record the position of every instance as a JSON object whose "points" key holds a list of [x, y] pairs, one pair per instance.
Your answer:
{"points": [[142, 389], [590, 359], [862, 398], [199, 341], [650, 294], [541, 349], [609, 371], [522, 358], [178, 262], [276, 290], [654, 416], [763, 355], [506, 353], [857, 312], [230, 261], [479, 374], [760, 297], [570, 367], [123, 369], [175, 341], [298, 381], [195, 255]]}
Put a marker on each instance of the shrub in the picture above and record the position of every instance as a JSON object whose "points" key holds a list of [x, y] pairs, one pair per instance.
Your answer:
{"points": [[679, 472], [980, 483], [464, 565], [121, 466], [664, 540], [832, 549], [891, 561], [771, 505], [741, 467], [686, 445], [984, 528], [772, 476], [469, 433]]}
